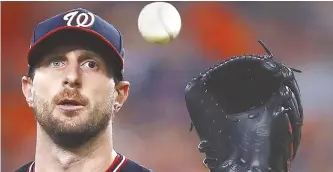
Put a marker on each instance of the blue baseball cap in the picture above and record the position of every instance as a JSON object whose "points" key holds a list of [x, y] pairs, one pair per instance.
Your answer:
{"points": [[79, 27]]}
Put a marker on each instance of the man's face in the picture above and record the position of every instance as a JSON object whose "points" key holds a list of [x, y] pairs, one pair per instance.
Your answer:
{"points": [[73, 95]]}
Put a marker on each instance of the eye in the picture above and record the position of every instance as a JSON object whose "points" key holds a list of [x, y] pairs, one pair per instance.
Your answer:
{"points": [[57, 63], [90, 64]]}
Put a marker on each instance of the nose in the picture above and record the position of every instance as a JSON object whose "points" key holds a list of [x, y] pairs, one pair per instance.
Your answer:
{"points": [[72, 77]]}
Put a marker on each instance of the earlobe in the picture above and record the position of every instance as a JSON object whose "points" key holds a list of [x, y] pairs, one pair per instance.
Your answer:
{"points": [[117, 107]]}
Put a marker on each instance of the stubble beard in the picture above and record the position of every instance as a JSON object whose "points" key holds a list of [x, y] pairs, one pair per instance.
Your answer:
{"points": [[75, 132]]}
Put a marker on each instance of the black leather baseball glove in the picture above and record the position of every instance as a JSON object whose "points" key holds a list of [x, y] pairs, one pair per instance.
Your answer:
{"points": [[247, 113]]}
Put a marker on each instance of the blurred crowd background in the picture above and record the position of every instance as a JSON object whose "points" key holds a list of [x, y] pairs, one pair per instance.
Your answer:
{"points": [[153, 126]]}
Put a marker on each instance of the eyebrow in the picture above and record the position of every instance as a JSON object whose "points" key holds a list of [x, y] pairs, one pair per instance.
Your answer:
{"points": [[90, 54]]}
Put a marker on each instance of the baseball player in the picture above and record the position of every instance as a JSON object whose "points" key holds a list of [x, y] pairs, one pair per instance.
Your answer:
{"points": [[75, 85], [247, 113]]}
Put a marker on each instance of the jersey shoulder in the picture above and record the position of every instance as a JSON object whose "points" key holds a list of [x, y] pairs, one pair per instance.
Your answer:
{"points": [[123, 164], [132, 166]]}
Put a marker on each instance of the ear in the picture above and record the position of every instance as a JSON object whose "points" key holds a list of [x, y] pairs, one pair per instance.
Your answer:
{"points": [[122, 89], [27, 90]]}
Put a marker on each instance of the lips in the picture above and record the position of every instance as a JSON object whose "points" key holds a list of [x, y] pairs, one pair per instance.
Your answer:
{"points": [[71, 102], [71, 105]]}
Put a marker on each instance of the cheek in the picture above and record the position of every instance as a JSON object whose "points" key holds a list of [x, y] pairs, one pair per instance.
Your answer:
{"points": [[45, 87], [98, 89]]}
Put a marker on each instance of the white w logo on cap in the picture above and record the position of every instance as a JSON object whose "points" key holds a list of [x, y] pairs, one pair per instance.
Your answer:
{"points": [[86, 17]]}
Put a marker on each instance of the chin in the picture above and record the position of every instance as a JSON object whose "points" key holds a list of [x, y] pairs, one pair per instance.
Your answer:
{"points": [[67, 122], [73, 125], [70, 112], [73, 129], [72, 132]]}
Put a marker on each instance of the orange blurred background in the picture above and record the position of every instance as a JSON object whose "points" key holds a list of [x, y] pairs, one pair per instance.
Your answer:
{"points": [[155, 117]]}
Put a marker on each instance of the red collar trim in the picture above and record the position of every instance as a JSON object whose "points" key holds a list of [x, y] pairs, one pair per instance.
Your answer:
{"points": [[117, 164], [31, 167]]}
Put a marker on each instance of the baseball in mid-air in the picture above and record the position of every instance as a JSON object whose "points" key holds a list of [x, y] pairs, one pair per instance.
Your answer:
{"points": [[159, 22]]}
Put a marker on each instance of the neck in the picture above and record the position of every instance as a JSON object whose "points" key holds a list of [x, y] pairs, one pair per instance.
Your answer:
{"points": [[96, 155]]}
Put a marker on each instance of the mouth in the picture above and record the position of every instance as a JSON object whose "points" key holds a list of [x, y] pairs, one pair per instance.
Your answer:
{"points": [[71, 105], [71, 102]]}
